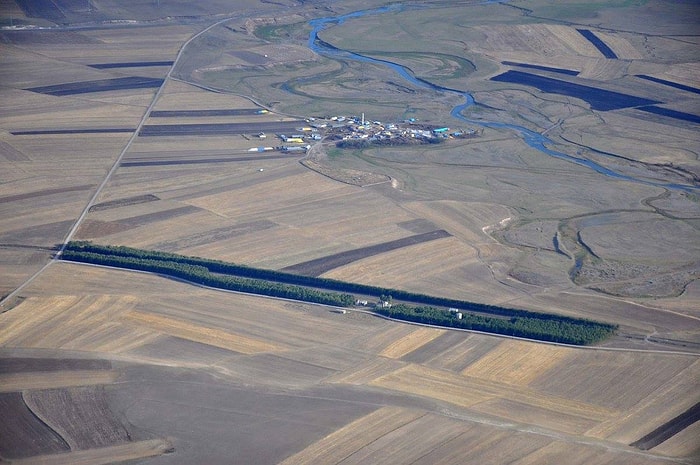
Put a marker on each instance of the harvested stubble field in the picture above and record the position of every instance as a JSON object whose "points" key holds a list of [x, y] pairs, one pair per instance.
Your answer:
{"points": [[159, 368], [250, 346]]}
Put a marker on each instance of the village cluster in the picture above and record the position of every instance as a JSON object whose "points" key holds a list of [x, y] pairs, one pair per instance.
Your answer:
{"points": [[354, 131]]}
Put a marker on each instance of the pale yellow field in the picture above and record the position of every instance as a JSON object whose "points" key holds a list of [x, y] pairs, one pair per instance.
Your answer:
{"points": [[411, 342], [376, 342], [620, 45], [410, 441], [528, 413], [201, 334], [573, 40], [344, 442], [58, 320], [517, 363], [439, 264], [366, 372], [437, 384], [468, 392], [602, 69]]}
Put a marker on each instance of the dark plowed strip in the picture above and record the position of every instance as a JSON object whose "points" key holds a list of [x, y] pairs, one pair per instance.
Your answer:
{"points": [[694, 90], [672, 114], [132, 64], [42, 132], [569, 72], [29, 247], [598, 99], [201, 161], [103, 85], [190, 113], [124, 202], [22, 365], [22, 434], [204, 129], [92, 229], [599, 44], [44, 36], [41, 235], [44, 193], [321, 265], [669, 429], [417, 226]]}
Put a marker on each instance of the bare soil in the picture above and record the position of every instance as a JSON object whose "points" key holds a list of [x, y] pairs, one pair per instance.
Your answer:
{"points": [[23, 434]]}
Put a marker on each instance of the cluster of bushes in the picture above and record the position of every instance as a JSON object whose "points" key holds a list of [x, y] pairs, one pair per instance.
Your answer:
{"points": [[216, 273]]}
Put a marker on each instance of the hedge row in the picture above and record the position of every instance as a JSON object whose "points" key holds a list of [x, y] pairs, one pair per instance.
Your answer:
{"points": [[215, 273], [532, 328], [201, 275]]}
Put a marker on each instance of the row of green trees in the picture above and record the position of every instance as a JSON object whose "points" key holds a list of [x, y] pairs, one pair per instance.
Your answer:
{"points": [[216, 273], [533, 328], [201, 275]]}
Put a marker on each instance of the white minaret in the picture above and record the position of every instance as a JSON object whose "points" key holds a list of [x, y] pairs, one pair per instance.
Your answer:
{"points": [[363, 119]]}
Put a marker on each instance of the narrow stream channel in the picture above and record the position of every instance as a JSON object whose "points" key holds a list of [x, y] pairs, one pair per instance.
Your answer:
{"points": [[531, 138]]}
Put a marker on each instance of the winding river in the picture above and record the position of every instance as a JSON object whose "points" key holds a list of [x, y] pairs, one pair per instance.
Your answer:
{"points": [[531, 138]]}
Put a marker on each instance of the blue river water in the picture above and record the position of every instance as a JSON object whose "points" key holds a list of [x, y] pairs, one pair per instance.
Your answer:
{"points": [[531, 138]]}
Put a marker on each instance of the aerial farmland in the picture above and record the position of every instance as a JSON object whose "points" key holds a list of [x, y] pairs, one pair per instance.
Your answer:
{"points": [[529, 160]]}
